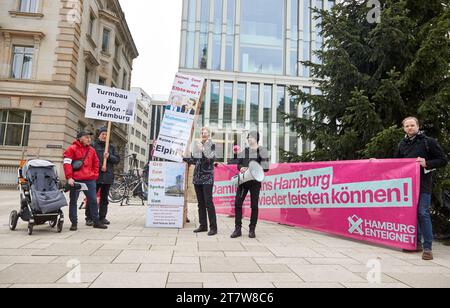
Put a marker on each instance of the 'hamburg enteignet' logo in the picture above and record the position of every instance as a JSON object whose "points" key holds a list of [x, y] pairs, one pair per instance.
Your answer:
{"points": [[355, 224]]}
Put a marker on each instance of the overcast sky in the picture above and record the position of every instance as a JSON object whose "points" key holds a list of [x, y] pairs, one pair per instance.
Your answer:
{"points": [[155, 26]]}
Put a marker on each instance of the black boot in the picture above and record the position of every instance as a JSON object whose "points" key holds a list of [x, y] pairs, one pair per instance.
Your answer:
{"points": [[251, 233], [212, 232], [237, 232], [74, 227], [99, 225], [201, 230]]}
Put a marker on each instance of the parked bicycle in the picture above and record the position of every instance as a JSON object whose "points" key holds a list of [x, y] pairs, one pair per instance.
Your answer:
{"points": [[133, 184]]}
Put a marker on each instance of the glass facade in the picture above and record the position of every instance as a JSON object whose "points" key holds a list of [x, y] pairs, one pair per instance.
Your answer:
{"points": [[250, 51], [262, 36]]}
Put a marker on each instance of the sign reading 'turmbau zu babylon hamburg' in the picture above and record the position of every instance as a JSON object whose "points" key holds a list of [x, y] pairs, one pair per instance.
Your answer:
{"points": [[110, 104]]}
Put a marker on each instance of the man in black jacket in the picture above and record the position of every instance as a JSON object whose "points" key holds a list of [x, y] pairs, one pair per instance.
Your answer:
{"points": [[106, 176], [253, 153], [430, 156]]}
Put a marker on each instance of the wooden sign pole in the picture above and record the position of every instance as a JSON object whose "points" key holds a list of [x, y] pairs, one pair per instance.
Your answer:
{"points": [[186, 184], [108, 137]]}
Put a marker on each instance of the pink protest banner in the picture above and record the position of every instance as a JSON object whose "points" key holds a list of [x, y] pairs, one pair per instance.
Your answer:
{"points": [[374, 201]]}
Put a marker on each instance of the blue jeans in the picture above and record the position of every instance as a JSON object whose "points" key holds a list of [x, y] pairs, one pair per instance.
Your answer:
{"points": [[91, 196], [425, 226]]}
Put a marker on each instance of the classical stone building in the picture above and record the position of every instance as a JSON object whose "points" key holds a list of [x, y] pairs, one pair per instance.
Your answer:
{"points": [[50, 50]]}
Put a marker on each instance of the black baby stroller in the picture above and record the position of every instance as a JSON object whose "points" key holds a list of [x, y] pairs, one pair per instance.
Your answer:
{"points": [[41, 199]]}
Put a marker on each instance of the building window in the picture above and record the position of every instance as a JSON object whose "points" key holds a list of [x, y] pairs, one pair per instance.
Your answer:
{"points": [[293, 69], [116, 49], [241, 104], [262, 36], [228, 103], [306, 39], [229, 52], [137, 149], [29, 6], [14, 128], [125, 81], [215, 96], [22, 65], [91, 25], [144, 138], [217, 36], [190, 39], [281, 110], [143, 152], [254, 105], [204, 24], [293, 137], [105, 41]]}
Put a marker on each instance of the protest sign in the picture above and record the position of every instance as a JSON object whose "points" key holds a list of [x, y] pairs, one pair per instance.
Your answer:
{"points": [[178, 122], [166, 195]]}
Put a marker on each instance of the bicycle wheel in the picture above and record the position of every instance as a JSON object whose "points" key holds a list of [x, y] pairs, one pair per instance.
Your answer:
{"points": [[144, 194], [117, 192]]}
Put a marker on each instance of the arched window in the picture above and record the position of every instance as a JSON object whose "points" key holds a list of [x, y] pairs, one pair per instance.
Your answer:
{"points": [[14, 127]]}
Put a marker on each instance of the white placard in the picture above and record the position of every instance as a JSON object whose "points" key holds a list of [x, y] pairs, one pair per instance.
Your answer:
{"points": [[166, 195], [176, 127], [164, 217], [166, 183], [173, 136], [110, 104]]}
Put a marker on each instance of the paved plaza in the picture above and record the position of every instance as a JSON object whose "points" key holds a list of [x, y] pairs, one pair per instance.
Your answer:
{"points": [[128, 255]]}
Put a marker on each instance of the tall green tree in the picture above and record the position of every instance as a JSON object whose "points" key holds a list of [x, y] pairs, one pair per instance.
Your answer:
{"points": [[372, 76]]}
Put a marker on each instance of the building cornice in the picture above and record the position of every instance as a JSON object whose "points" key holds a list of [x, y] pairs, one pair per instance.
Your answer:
{"points": [[7, 33]]}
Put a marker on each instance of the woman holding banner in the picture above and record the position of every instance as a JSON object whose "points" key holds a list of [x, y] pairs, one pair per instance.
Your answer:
{"points": [[203, 158]]}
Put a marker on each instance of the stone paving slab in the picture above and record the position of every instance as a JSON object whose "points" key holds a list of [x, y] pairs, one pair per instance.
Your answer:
{"points": [[33, 274], [325, 273], [130, 280], [227, 264]]}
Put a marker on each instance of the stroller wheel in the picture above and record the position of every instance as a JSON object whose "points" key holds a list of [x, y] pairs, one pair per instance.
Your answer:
{"points": [[60, 226], [13, 218], [52, 223], [30, 229]]}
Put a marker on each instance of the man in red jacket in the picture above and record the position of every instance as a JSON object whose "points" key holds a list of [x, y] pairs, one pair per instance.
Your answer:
{"points": [[81, 150]]}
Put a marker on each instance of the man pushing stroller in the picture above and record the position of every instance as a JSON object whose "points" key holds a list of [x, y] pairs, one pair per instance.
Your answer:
{"points": [[81, 165]]}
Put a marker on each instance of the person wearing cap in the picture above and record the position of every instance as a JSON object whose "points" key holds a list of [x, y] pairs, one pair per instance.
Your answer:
{"points": [[81, 165], [106, 175], [252, 153]]}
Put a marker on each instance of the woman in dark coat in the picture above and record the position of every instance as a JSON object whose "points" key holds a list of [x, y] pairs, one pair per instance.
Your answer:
{"points": [[203, 158]]}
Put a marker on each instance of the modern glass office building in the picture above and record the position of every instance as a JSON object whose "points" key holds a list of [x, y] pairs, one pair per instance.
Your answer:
{"points": [[249, 51]]}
